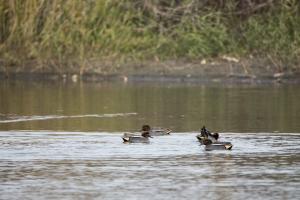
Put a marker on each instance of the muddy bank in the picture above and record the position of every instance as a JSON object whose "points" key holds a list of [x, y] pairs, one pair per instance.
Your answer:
{"points": [[225, 69]]}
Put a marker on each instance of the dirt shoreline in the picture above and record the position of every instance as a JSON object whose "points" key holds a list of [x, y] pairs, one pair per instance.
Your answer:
{"points": [[225, 70]]}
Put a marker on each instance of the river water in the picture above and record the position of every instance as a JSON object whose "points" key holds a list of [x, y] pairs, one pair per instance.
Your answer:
{"points": [[63, 141]]}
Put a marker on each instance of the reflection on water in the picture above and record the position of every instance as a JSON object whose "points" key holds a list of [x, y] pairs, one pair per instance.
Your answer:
{"points": [[93, 165], [229, 108], [15, 118]]}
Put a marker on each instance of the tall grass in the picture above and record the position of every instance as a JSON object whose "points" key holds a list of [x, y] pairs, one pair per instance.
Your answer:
{"points": [[64, 35]]}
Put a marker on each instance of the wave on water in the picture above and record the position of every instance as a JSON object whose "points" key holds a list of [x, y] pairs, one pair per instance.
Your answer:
{"points": [[13, 119]]}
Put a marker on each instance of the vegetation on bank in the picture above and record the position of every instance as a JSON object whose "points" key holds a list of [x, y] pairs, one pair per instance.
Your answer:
{"points": [[61, 35]]}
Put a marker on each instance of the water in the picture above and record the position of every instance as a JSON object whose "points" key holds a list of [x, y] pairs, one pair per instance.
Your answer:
{"points": [[68, 165], [82, 107], [63, 141]]}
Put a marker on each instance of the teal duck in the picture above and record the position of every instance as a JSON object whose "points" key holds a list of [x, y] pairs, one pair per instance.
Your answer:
{"points": [[145, 134], [207, 135], [131, 138], [210, 140], [156, 131]]}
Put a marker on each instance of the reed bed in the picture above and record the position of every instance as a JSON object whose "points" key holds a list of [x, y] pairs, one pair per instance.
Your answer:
{"points": [[64, 35]]}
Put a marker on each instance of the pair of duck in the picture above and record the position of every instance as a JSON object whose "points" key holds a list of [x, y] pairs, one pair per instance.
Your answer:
{"points": [[210, 140], [146, 133]]}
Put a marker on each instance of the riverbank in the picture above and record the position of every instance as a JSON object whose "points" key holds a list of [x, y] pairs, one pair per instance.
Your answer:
{"points": [[222, 70]]}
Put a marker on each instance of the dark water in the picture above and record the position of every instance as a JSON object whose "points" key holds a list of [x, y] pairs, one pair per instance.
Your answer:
{"points": [[63, 141], [124, 107]]}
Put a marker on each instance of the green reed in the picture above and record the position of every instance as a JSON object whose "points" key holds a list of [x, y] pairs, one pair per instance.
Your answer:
{"points": [[64, 35]]}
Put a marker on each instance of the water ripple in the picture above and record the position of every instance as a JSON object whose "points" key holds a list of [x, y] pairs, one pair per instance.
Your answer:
{"points": [[15, 118], [81, 165]]}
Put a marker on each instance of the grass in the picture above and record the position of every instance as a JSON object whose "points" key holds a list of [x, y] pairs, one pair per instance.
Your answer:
{"points": [[64, 35]]}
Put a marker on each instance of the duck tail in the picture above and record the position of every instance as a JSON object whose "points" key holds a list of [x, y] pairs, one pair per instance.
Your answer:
{"points": [[125, 139], [228, 146]]}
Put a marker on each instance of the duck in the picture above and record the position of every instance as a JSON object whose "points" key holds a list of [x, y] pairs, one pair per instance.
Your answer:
{"points": [[210, 140], [146, 133], [142, 137], [156, 131], [133, 138], [205, 134]]}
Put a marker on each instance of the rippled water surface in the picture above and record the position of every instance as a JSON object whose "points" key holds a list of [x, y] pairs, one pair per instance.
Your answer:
{"points": [[78, 165], [63, 141]]}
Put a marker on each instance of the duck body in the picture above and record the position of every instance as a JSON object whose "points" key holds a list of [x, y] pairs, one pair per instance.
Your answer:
{"points": [[160, 132], [136, 139], [215, 146]]}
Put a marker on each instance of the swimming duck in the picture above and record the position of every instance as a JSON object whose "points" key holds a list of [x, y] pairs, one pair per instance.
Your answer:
{"points": [[143, 137], [205, 134], [145, 134], [156, 131], [210, 140], [132, 138]]}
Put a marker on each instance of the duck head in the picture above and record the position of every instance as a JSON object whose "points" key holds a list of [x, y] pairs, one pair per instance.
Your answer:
{"points": [[204, 132], [146, 127], [146, 131], [216, 135]]}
